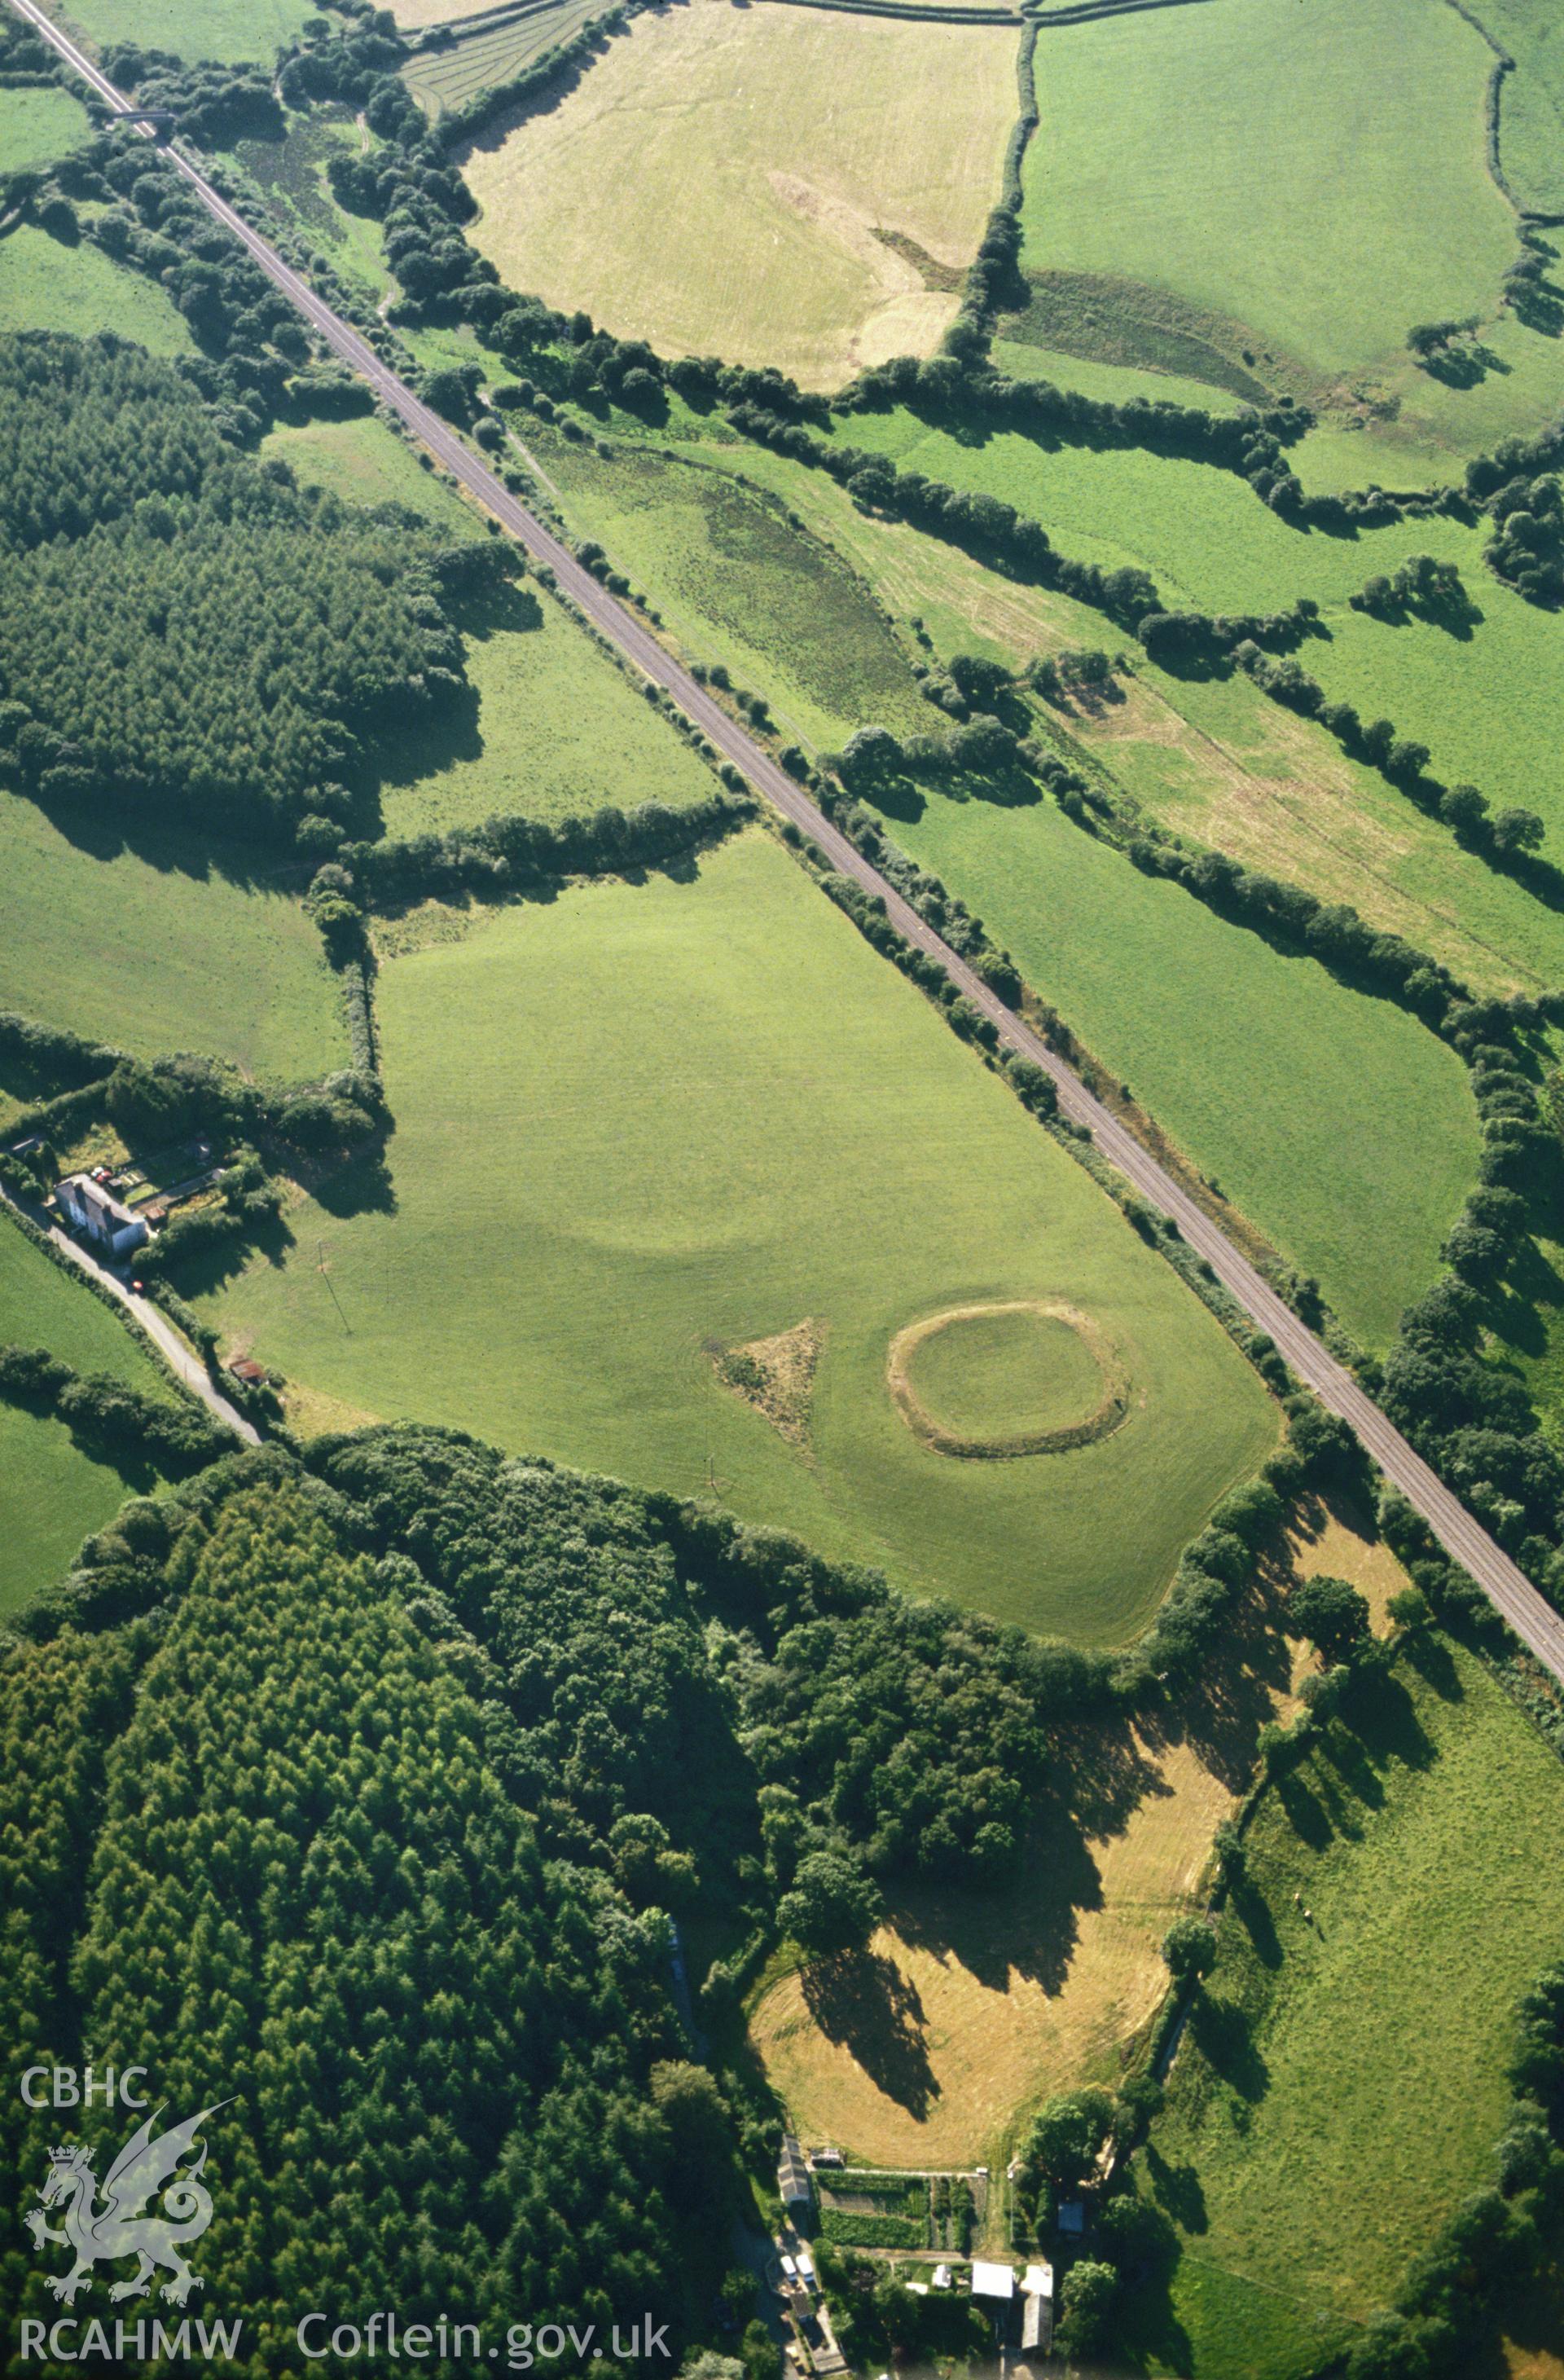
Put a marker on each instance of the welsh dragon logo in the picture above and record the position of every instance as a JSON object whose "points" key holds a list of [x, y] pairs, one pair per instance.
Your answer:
{"points": [[120, 2227]]}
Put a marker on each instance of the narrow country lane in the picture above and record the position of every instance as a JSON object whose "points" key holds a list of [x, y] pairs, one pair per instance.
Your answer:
{"points": [[153, 1321], [1540, 1628]]}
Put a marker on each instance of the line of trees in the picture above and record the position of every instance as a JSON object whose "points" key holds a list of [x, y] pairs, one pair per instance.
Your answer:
{"points": [[109, 1419], [512, 854], [1505, 838]]}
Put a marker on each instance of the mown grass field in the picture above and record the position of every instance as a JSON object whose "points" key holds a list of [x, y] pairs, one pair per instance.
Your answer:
{"points": [[1218, 762], [716, 184], [228, 30], [1000, 2002], [689, 1115], [1336, 1123], [50, 1494], [445, 78], [556, 730], [1343, 2088], [47, 287], [130, 948], [38, 124], [413, 15], [742, 585], [1317, 175]]}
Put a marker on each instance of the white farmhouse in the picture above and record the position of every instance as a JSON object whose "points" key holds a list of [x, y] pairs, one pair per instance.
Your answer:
{"points": [[89, 1208]]}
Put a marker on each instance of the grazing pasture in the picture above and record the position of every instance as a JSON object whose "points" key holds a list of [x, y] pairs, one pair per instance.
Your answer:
{"points": [[131, 947], [1342, 2082], [723, 180], [54, 1495], [643, 1123], [1021, 358], [226, 29], [1532, 99], [1318, 176], [556, 730], [46, 287], [36, 125], [1334, 1122], [1216, 760], [1212, 756], [1478, 694]]}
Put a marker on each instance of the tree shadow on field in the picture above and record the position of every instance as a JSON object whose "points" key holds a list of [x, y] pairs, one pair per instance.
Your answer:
{"points": [[1222, 2033], [862, 2001], [1430, 1657], [360, 1185], [1177, 2190], [1253, 1911]]}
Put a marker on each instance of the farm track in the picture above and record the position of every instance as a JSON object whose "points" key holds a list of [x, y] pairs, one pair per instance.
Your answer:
{"points": [[1538, 1626]]}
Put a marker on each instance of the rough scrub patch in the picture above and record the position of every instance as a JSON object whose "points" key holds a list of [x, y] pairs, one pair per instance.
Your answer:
{"points": [[777, 1375]]}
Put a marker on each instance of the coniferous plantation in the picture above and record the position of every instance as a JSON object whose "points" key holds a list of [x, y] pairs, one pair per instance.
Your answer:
{"points": [[185, 637], [781, 1189]]}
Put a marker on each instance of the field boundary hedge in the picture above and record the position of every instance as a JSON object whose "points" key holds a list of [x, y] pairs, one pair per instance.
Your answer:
{"points": [[930, 15]]}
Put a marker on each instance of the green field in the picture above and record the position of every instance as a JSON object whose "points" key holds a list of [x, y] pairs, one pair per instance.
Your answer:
{"points": [[1202, 532], [1316, 174], [128, 947], [36, 125], [742, 585], [1115, 383], [50, 1494], [1343, 2088], [1482, 702], [47, 287], [441, 78], [1532, 103], [1336, 1123], [998, 1375], [558, 731], [228, 30], [688, 1115], [365, 462], [1241, 775]]}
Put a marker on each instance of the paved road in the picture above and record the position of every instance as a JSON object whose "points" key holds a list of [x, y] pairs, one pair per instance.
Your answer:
{"points": [[1533, 1620], [153, 1321]]}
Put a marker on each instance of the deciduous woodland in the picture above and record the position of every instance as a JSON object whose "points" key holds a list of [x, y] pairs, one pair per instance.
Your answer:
{"points": [[683, 1661]]}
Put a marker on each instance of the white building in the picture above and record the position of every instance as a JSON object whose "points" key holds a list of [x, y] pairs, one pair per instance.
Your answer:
{"points": [[1036, 2320], [108, 1223]]}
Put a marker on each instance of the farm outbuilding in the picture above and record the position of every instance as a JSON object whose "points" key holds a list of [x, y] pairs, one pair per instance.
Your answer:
{"points": [[992, 2280], [793, 2175]]}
